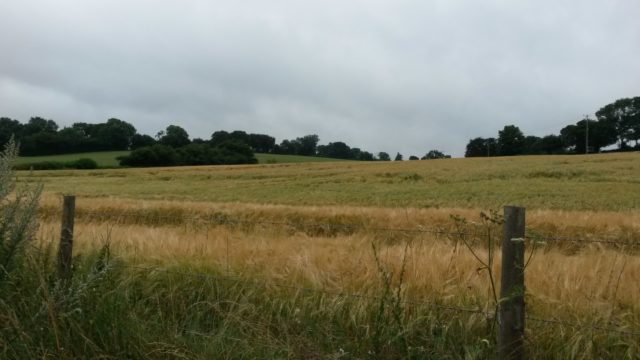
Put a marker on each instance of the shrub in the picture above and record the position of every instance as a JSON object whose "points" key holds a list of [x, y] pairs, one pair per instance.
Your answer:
{"points": [[227, 153], [156, 155], [17, 217], [41, 165], [84, 163]]}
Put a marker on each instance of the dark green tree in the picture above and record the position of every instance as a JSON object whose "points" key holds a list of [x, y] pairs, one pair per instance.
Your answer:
{"points": [[139, 141], [511, 141], [307, 145], [383, 156], [624, 116], [338, 150], [481, 147], [174, 136], [435, 154], [398, 157], [601, 134], [9, 128], [219, 137], [262, 143]]}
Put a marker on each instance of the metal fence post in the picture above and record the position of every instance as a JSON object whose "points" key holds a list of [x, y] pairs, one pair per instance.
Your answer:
{"points": [[512, 307], [65, 249]]}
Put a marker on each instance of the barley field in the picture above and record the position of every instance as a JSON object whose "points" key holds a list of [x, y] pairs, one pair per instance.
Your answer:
{"points": [[346, 260]]}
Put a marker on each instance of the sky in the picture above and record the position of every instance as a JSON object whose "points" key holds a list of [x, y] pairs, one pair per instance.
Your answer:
{"points": [[395, 76]]}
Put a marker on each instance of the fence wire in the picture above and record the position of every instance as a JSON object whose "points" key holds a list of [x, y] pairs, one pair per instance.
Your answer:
{"points": [[223, 220], [459, 233]]}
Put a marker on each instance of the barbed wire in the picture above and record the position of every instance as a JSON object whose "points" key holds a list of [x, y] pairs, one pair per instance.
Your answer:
{"points": [[221, 220], [545, 238], [580, 326]]}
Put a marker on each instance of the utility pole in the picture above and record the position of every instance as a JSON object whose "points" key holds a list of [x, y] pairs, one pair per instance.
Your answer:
{"points": [[586, 137]]}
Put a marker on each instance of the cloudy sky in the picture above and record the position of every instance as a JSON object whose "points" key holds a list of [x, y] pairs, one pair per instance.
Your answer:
{"points": [[405, 76]]}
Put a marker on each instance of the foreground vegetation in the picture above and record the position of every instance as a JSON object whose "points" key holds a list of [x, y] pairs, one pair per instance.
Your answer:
{"points": [[235, 262]]}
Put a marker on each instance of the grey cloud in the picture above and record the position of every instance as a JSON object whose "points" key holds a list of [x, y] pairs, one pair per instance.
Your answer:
{"points": [[390, 76]]}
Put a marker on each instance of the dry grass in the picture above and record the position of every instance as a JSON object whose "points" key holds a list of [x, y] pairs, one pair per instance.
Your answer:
{"points": [[590, 283]]}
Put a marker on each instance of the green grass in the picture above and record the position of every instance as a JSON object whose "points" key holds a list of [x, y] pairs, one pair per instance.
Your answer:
{"points": [[581, 182], [107, 159], [287, 159]]}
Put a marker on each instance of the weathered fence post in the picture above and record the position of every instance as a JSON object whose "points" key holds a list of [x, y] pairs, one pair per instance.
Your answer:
{"points": [[512, 309], [65, 249]]}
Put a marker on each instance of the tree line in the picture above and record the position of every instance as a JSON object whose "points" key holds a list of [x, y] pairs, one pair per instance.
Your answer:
{"points": [[617, 123], [173, 145]]}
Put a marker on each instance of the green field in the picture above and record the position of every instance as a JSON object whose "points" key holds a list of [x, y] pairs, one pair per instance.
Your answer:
{"points": [[107, 159], [287, 159], [594, 182]]}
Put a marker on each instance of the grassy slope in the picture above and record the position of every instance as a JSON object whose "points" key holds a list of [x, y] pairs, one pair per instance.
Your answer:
{"points": [[286, 159], [593, 182], [107, 159]]}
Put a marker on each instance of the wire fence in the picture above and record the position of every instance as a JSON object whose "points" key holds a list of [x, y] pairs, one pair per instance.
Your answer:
{"points": [[455, 233], [215, 220]]}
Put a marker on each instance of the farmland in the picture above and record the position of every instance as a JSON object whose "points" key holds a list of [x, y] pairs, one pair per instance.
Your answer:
{"points": [[200, 253], [595, 183]]}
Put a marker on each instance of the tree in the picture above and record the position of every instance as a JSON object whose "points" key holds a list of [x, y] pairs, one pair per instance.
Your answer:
{"points": [[116, 134], [365, 156], [37, 124], [174, 136], [398, 157], [435, 154], [239, 135], [338, 150], [138, 141], [532, 145], [219, 137], [511, 141], [9, 128], [601, 134], [307, 145], [624, 116], [552, 144], [262, 143], [479, 147], [383, 156]]}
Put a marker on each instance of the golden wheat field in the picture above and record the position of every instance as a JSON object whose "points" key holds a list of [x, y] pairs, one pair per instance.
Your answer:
{"points": [[316, 225]]}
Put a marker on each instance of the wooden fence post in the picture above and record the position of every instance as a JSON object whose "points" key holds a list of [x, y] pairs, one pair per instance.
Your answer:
{"points": [[65, 249], [512, 309]]}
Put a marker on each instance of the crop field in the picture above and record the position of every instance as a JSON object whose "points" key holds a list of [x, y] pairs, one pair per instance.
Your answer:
{"points": [[346, 259]]}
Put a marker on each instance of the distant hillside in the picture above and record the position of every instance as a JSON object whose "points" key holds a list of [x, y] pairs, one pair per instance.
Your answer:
{"points": [[107, 159]]}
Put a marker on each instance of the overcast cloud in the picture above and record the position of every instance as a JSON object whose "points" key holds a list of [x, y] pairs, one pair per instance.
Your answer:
{"points": [[405, 76]]}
